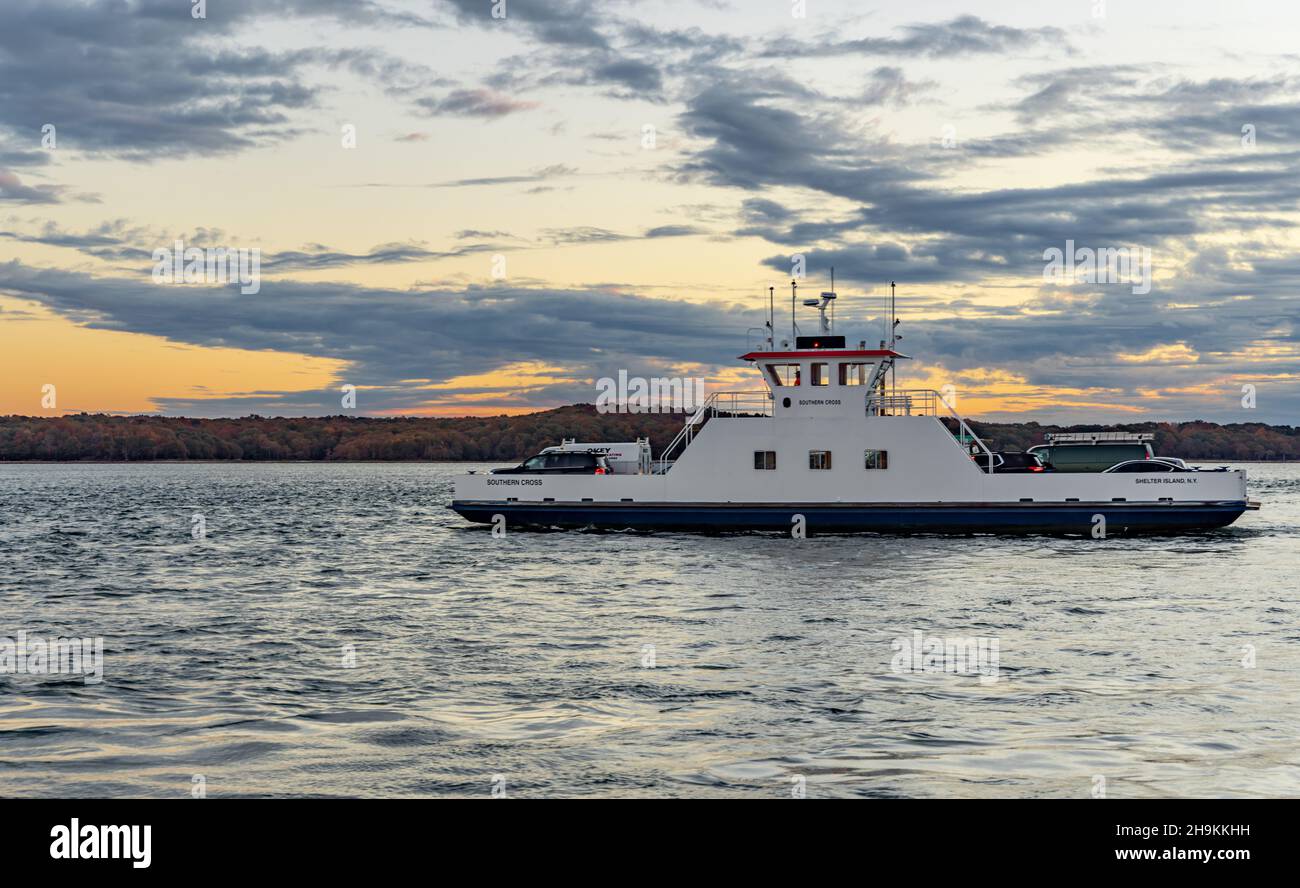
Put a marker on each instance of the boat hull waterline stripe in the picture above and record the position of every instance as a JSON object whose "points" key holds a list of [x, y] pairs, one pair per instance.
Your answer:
{"points": [[1031, 518]]}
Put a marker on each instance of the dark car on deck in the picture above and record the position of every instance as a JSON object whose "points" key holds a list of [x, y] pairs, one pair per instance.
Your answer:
{"points": [[1148, 466], [560, 463], [1011, 461]]}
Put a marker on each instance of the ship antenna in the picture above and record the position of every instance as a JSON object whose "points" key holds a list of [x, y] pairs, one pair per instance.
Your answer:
{"points": [[794, 328], [771, 319], [832, 304], [893, 337], [884, 323]]}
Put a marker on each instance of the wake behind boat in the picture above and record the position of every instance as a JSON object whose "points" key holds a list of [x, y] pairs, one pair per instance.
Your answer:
{"points": [[831, 445]]}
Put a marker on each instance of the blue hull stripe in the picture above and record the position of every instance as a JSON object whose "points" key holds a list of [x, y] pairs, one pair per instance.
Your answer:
{"points": [[1067, 518]]}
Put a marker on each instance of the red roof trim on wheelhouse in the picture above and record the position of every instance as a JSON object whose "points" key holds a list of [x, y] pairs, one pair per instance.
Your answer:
{"points": [[824, 353]]}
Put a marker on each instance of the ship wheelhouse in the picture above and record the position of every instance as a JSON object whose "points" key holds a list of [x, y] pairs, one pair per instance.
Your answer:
{"points": [[822, 373], [820, 379]]}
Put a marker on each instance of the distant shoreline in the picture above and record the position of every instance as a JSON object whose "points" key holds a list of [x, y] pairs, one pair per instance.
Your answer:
{"points": [[102, 438], [240, 462]]}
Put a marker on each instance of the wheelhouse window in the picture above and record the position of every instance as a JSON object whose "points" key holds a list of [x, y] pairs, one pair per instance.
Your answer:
{"points": [[853, 373], [877, 459], [783, 374], [821, 374], [765, 459], [819, 459]]}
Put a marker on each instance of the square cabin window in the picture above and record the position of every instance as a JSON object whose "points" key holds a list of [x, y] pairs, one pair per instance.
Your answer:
{"points": [[819, 460], [784, 374], [821, 374], [765, 459], [852, 373], [877, 459]]}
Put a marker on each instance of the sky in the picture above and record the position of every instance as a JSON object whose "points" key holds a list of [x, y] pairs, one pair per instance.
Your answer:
{"points": [[477, 207]]}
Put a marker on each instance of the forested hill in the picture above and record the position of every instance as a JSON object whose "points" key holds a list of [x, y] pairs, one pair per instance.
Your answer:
{"points": [[498, 438], [506, 438]]}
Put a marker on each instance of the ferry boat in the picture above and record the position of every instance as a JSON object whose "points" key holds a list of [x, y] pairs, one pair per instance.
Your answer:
{"points": [[831, 445]]}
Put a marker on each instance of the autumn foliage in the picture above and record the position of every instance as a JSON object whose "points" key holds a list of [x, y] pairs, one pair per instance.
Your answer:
{"points": [[505, 438], [500, 438]]}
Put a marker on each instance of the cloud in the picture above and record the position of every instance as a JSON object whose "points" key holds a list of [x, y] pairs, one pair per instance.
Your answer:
{"points": [[388, 336], [144, 79], [559, 22], [473, 233], [751, 139], [117, 241], [673, 231], [1073, 91], [582, 234], [475, 103], [964, 35], [137, 81], [692, 44], [587, 234], [758, 209], [887, 85], [113, 235], [12, 190], [580, 43], [545, 174], [636, 75], [385, 254], [20, 158]]}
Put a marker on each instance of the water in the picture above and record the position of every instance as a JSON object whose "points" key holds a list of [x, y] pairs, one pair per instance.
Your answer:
{"points": [[520, 660]]}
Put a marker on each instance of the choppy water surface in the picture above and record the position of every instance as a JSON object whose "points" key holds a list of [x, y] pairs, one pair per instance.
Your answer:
{"points": [[524, 659]]}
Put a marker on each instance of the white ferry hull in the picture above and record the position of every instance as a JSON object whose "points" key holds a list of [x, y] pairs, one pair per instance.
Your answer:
{"points": [[930, 486]]}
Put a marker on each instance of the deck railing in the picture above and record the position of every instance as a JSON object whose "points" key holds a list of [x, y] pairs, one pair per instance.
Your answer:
{"points": [[739, 404], [903, 402], [736, 405], [908, 402], [926, 402]]}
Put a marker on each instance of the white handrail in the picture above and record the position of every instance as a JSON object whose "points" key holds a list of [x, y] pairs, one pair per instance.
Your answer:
{"points": [[924, 402], [735, 403]]}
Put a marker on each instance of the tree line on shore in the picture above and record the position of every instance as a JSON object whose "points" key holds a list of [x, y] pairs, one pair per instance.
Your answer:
{"points": [[101, 437]]}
